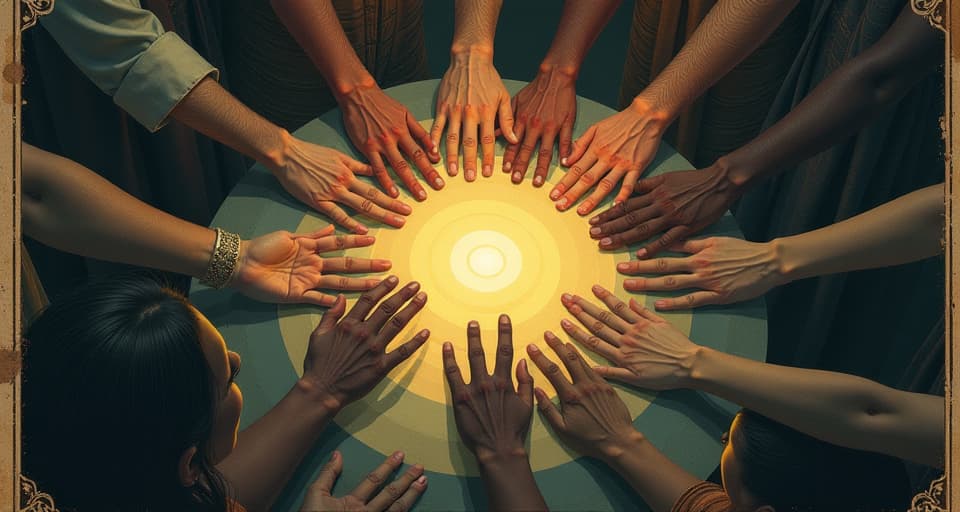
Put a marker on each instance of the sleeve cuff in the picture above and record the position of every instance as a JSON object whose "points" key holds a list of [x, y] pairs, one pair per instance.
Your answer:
{"points": [[161, 77]]}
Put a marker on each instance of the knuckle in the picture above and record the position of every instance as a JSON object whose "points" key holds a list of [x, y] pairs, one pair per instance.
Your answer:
{"points": [[374, 478], [393, 491], [453, 136], [593, 341], [486, 139], [397, 322], [596, 326], [349, 262], [469, 142], [366, 205], [662, 264], [552, 369], [505, 350]]}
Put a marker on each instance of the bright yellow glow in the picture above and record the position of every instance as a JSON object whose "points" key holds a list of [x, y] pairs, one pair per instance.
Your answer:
{"points": [[486, 261]]}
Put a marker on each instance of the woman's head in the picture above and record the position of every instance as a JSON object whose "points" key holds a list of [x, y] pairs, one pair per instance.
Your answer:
{"points": [[128, 400]]}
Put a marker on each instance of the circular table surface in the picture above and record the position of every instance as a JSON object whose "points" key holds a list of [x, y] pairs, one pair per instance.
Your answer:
{"points": [[478, 249]]}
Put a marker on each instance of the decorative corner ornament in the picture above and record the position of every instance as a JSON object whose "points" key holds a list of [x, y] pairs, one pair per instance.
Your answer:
{"points": [[32, 500], [932, 10], [31, 10], [933, 499]]}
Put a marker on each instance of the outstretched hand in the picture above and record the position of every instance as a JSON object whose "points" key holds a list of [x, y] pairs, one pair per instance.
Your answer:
{"points": [[399, 495], [284, 267]]}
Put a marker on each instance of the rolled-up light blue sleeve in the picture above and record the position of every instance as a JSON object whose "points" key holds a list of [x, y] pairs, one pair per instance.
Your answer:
{"points": [[125, 51]]}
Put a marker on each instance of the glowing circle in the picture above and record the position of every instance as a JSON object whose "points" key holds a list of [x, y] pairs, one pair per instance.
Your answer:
{"points": [[486, 261]]}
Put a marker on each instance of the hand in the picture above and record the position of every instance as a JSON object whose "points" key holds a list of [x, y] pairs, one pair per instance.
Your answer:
{"points": [[382, 129], [646, 350], [321, 177], [400, 495], [678, 203], [283, 267], [345, 358], [619, 147], [472, 93], [726, 270], [545, 107], [491, 417], [592, 418]]}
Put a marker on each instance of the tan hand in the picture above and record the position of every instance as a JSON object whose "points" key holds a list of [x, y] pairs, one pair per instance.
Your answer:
{"points": [[472, 95], [283, 267], [322, 177], [618, 148], [645, 349], [592, 418], [677, 204], [384, 130], [398, 496], [725, 270], [546, 107]]}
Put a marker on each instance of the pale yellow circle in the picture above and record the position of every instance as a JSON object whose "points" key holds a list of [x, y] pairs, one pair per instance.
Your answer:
{"points": [[486, 261], [557, 257]]}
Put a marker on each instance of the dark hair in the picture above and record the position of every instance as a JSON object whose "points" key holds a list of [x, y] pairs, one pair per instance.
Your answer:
{"points": [[115, 388]]}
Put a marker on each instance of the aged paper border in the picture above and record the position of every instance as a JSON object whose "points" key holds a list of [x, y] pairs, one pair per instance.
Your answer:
{"points": [[17, 13]]}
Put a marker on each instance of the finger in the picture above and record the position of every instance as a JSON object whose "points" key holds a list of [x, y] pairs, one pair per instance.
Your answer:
{"points": [[549, 411], [655, 266], [318, 298], [327, 230], [380, 199], [593, 343], [436, 130], [402, 168], [629, 185], [579, 147], [398, 322], [396, 490], [512, 149], [343, 283], [377, 477], [487, 146], [357, 167], [368, 208], [478, 362], [607, 318], [453, 141], [569, 357], [524, 383], [566, 136], [470, 124], [637, 233], [419, 157], [410, 497], [401, 353], [647, 185], [587, 181], [522, 161], [341, 242], [383, 177], [614, 304], [644, 312], [588, 372], [630, 219], [504, 358], [387, 308], [340, 217], [351, 265], [620, 209], [691, 246], [328, 475], [505, 118], [452, 371], [663, 283], [604, 186], [423, 138], [368, 300], [615, 373], [330, 317], [544, 159], [692, 300], [552, 372], [672, 236], [594, 325], [573, 175]]}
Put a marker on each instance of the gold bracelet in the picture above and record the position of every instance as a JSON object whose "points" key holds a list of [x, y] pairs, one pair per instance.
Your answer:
{"points": [[223, 263]]}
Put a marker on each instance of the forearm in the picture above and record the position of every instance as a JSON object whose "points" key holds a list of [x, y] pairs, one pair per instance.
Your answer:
{"points": [[269, 451], [214, 112], [510, 485], [314, 24], [837, 408], [70, 208], [907, 229], [844, 102], [580, 24], [728, 34], [475, 24], [656, 478]]}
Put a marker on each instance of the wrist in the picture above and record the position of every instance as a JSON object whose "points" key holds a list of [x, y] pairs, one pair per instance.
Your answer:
{"points": [[703, 368], [564, 69], [237, 277], [502, 457], [481, 51], [320, 397], [276, 157], [628, 444], [655, 117], [788, 255], [344, 88]]}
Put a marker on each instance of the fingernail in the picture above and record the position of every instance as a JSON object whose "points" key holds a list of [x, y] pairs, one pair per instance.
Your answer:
{"points": [[367, 239], [507, 166], [384, 264], [438, 181], [447, 346], [523, 364], [562, 203], [623, 266], [336, 455], [566, 297], [362, 230], [399, 220], [641, 253], [471, 174], [452, 169], [533, 348], [595, 220], [420, 297], [566, 323], [517, 177], [393, 280], [630, 283], [421, 194], [660, 303], [606, 241], [504, 319], [596, 230], [563, 160], [554, 194], [413, 286], [398, 456], [424, 333], [473, 323], [422, 480], [394, 192], [537, 181], [405, 209], [487, 170], [597, 288]]}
